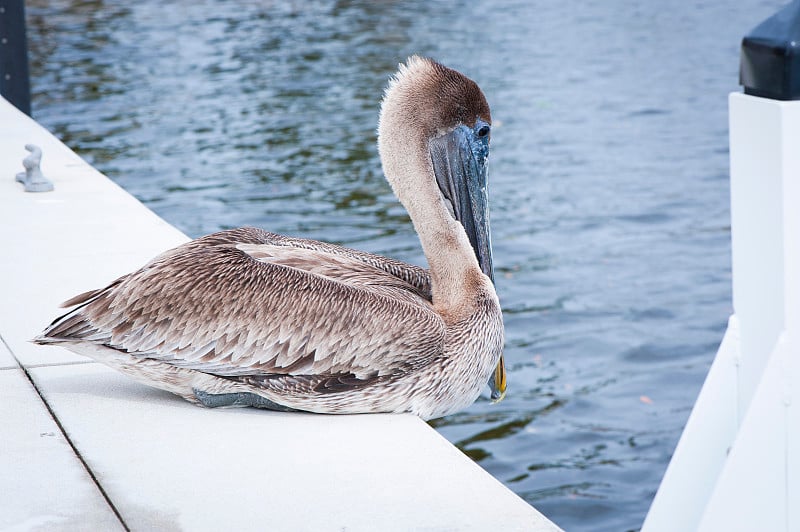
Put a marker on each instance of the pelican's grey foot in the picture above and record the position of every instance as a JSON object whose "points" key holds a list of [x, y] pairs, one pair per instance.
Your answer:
{"points": [[216, 400], [32, 178]]}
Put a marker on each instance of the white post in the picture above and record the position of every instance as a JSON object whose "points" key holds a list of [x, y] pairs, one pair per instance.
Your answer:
{"points": [[738, 460], [754, 489], [758, 149]]}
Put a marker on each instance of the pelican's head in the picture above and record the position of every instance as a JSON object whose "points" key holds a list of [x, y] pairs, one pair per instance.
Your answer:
{"points": [[433, 138]]}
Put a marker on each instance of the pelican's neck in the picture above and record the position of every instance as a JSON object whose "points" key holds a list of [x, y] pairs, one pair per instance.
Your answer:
{"points": [[455, 273]]}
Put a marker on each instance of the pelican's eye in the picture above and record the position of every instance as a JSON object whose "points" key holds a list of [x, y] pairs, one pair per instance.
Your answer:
{"points": [[484, 130]]}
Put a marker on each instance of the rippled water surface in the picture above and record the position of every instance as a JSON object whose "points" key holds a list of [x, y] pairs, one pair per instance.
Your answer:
{"points": [[608, 182]]}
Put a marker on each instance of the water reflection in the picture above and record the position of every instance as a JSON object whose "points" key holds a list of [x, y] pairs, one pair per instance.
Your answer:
{"points": [[608, 184]]}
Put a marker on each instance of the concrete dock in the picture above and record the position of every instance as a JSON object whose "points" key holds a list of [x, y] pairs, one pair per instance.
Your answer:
{"points": [[84, 448]]}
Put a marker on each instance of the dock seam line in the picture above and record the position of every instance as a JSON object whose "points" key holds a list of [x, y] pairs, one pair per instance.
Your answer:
{"points": [[69, 440], [58, 364]]}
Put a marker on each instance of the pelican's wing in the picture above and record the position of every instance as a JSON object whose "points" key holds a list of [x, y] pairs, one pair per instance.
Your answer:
{"points": [[417, 277], [231, 305]]}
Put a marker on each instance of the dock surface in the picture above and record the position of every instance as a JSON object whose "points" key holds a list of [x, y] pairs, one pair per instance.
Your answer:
{"points": [[85, 448]]}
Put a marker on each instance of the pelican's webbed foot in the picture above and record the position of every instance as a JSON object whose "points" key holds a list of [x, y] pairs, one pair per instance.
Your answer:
{"points": [[217, 400]]}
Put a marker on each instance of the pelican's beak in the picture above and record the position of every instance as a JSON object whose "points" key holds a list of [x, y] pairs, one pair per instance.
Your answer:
{"points": [[497, 382], [460, 162]]}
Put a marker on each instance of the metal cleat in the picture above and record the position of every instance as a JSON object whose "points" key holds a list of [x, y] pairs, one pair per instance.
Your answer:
{"points": [[32, 177]]}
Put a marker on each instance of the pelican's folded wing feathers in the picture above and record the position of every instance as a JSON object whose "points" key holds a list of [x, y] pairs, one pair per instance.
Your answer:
{"points": [[236, 303], [413, 275]]}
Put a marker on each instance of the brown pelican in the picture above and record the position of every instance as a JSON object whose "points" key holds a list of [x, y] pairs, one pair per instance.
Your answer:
{"points": [[249, 318]]}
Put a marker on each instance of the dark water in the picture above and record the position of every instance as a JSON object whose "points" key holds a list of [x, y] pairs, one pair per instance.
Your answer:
{"points": [[608, 182]]}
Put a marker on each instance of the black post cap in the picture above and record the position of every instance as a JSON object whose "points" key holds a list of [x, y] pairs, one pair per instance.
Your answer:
{"points": [[770, 61], [14, 78]]}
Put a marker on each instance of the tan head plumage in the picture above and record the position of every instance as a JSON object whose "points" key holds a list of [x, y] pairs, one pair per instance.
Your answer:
{"points": [[432, 98], [423, 100]]}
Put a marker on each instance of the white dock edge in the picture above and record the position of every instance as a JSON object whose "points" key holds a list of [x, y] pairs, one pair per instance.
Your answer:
{"points": [[737, 465], [147, 460]]}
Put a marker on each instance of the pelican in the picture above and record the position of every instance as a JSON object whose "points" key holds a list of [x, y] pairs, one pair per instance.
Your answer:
{"points": [[245, 317]]}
